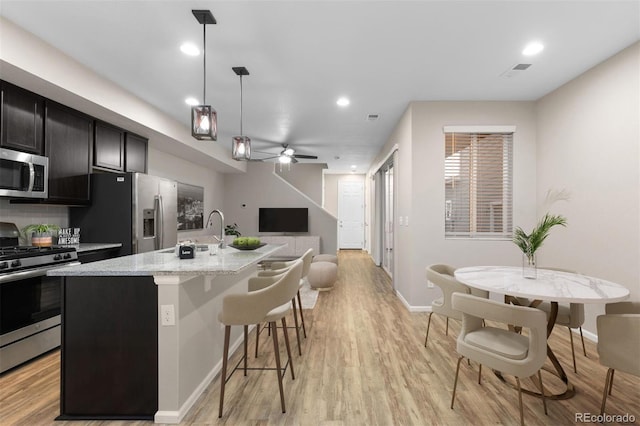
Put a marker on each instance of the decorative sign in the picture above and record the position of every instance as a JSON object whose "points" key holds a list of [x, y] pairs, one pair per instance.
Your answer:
{"points": [[190, 207], [68, 236]]}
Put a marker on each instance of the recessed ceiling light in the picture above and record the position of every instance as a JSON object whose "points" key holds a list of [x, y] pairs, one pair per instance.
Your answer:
{"points": [[190, 49], [191, 101], [343, 101], [533, 48]]}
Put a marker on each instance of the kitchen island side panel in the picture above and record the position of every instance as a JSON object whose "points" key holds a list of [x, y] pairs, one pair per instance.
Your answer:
{"points": [[190, 352], [109, 348]]}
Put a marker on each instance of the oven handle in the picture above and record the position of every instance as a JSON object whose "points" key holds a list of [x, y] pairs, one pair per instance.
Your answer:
{"points": [[32, 273]]}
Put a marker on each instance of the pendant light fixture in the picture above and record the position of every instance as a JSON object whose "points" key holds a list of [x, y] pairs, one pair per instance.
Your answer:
{"points": [[204, 120], [241, 145]]}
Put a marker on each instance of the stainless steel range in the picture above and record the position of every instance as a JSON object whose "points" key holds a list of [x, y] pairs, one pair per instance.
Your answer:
{"points": [[29, 300]]}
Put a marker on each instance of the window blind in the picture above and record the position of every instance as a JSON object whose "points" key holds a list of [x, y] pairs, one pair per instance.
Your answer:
{"points": [[478, 185]]}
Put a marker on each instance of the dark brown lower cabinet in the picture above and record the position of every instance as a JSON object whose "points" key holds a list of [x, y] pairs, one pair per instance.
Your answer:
{"points": [[109, 348]]}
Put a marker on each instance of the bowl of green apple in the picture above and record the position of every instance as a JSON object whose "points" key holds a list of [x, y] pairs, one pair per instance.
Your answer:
{"points": [[246, 243]]}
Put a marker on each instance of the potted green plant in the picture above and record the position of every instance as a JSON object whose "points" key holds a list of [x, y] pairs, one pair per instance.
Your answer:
{"points": [[530, 243], [231, 232], [41, 234]]}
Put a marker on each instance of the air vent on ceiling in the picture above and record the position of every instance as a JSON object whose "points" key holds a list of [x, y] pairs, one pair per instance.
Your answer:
{"points": [[373, 117], [515, 70]]}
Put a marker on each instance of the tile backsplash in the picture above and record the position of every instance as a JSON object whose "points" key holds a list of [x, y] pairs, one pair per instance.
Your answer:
{"points": [[26, 214]]}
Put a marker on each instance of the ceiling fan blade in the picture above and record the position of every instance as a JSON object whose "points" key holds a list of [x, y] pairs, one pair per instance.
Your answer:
{"points": [[304, 156]]}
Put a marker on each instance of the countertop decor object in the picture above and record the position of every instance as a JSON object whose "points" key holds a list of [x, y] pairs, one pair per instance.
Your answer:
{"points": [[40, 235], [530, 243], [252, 247]]}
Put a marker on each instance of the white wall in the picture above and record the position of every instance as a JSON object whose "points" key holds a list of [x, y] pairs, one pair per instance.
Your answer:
{"points": [[261, 187], [588, 144], [426, 227], [306, 177]]}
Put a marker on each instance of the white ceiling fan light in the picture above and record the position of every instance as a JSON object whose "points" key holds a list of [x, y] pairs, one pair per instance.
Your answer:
{"points": [[533, 48], [284, 159]]}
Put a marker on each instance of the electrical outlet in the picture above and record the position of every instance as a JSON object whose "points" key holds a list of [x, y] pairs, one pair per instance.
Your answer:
{"points": [[167, 315]]}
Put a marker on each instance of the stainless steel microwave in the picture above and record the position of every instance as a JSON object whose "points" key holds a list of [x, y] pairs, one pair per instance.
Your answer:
{"points": [[23, 175]]}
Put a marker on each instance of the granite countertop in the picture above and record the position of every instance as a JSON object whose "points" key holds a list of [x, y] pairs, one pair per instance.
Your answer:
{"points": [[165, 262]]}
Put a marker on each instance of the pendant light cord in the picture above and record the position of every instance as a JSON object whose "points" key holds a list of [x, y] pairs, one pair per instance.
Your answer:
{"points": [[204, 54], [241, 134]]}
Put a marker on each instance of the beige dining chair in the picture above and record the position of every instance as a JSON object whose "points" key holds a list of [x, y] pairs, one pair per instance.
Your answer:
{"points": [[277, 268], [618, 342], [570, 315], [268, 300], [442, 276], [502, 350]]}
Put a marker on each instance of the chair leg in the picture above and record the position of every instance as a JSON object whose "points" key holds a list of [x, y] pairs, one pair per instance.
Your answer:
{"points": [[607, 387], [257, 338], [286, 342], [520, 402], [278, 368], [223, 373], [479, 373], [611, 381], [246, 334], [544, 399], [584, 351], [455, 382], [428, 325], [573, 352], [446, 330], [295, 321], [304, 331]]}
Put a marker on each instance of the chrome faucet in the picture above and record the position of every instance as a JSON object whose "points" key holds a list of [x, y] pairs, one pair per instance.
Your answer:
{"points": [[221, 238]]}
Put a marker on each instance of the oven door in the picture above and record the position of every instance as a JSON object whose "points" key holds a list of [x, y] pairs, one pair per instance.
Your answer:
{"points": [[30, 304]]}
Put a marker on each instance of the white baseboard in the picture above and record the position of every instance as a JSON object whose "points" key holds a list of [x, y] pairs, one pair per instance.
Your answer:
{"points": [[411, 308], [174, 417]]}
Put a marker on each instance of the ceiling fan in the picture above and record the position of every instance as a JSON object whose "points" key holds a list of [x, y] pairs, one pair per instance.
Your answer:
{"points": [[286, 156]]}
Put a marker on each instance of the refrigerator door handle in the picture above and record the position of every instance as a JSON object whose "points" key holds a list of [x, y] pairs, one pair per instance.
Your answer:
{"points": [[156, 220], [160, 223]]}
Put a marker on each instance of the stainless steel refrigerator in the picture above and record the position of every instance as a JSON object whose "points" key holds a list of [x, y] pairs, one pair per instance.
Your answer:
{"points": [[135, 209]]}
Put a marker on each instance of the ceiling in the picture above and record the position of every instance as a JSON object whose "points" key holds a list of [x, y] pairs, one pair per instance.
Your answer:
{"points": [[303, 55]]}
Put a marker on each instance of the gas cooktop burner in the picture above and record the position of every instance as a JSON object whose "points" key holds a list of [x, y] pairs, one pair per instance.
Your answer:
{"points": [[22, 251]]}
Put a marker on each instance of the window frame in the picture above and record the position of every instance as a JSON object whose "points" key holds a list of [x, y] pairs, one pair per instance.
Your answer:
{"points": [[471, 134]]}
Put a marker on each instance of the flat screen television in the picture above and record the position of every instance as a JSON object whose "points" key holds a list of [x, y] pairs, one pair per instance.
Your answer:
{"points": [[283, 219]]}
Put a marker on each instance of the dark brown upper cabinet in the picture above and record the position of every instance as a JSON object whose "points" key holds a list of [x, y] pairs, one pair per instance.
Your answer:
{"points": [[69, 139], [108, 151], [135, 153], [21, 119]]}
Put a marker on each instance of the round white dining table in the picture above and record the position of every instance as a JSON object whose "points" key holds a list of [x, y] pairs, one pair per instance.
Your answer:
{"points": [[549, 285]]}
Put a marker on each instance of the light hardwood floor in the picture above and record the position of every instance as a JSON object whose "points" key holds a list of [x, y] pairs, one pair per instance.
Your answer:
{"points": [[363, 363]]}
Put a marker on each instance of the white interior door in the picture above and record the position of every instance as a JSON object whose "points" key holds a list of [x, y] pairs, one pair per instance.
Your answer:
{"points": [[388, 215], [350, 214]]}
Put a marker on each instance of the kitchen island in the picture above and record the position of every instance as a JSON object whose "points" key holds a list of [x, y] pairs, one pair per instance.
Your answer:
{"points": [[140, 334]]}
